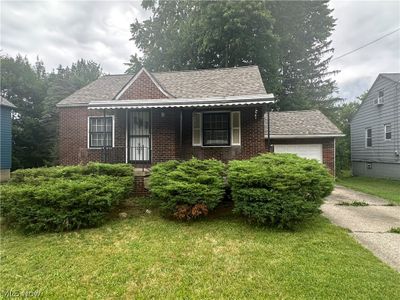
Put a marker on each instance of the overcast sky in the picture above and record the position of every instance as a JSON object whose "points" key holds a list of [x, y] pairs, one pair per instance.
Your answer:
{"points": [[62, 32]]}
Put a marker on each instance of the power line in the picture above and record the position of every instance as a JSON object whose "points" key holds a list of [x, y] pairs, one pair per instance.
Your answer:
{"points": [[363, 46]]}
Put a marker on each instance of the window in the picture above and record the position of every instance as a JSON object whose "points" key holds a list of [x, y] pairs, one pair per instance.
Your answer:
{"points": [[196, 129], [235, 117], [216, 129], [100, 132], [388, 131], [368, 137], [381, 95], [380, 99]]}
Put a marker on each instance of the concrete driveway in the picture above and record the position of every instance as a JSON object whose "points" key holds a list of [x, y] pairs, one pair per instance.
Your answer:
{"points": [[369, 225]]}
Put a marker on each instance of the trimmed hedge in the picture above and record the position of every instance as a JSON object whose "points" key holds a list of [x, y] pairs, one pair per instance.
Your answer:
{"points": [[278, 189], [64, 198], [71, 172], [188, 189]]}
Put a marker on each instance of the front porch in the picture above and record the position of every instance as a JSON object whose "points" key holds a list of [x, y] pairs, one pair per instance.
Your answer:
{"points": [[147, 136]]}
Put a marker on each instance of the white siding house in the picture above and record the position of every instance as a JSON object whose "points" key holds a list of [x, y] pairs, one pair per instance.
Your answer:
{"points": [[375, 130]]}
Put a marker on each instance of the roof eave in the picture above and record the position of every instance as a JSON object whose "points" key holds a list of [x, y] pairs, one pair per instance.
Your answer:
{"points": [[184, 102], [66, 105], [305, 136]]}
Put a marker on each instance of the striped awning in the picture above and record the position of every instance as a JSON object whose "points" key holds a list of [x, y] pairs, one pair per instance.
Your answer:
{"points": [[247, 100]]}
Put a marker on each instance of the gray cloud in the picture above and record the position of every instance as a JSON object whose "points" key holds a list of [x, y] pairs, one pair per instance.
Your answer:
{"points": [[359, 22], [62, 32]]}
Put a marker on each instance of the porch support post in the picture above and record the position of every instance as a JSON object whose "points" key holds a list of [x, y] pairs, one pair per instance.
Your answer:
{"points": [[180, 134], [268, 129], [104, 135]]}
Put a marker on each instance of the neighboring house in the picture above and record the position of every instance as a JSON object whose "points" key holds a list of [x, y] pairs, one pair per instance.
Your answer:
{"points": [[154, 117], [375, 130], [307, 133], [5, 138]]}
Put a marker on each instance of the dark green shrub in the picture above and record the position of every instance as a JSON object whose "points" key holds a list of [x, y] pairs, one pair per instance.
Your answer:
{"points": [[93, 168], [64, 198], [278, 189], [188, 189]]}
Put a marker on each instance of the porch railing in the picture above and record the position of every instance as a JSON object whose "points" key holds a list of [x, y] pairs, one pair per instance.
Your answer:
{"points": [[139, 156]]}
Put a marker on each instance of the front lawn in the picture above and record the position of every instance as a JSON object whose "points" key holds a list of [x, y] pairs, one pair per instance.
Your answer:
{"points": [[385, 188], [146, 256]]}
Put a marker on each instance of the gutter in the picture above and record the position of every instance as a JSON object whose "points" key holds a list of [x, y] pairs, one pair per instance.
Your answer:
{"points": [[184, 102], [71, 105], [305, 136], [176, 102]]}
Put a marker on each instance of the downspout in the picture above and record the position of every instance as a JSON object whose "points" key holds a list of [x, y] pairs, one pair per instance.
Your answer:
{"points": [[126, 137], [268, 129], [397, 126], [180, 135], [334, 157], [104, 135]]}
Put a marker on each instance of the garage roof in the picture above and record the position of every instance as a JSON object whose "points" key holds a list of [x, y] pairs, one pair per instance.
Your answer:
{"points": [[300, 124]]}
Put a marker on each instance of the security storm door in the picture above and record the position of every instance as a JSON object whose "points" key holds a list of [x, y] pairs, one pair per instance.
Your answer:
{"points": [[139, 136]]}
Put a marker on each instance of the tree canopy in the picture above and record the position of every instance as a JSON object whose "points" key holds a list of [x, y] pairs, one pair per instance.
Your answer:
{"points": [[289, 41], [35, 93]]}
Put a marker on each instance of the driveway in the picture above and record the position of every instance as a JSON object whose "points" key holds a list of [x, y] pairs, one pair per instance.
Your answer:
{"points": [[369, 225]]}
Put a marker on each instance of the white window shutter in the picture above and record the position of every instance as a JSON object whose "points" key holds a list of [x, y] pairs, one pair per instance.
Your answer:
{"points": [[196, 129], [235, 128]]}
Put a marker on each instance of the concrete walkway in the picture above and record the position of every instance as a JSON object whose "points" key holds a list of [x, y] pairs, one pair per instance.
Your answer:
{"points": [[369, 225]]}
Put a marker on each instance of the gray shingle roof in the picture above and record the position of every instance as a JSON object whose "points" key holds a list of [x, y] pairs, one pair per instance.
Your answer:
{"points": [[180, 84], [5, 102], [392, 76], [212, 83], [104, 88], [300, 123]]}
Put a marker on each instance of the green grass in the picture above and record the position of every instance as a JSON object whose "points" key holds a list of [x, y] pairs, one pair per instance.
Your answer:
{"points": [[354, 203], [394, 230], [145, 257], [385, 188]]}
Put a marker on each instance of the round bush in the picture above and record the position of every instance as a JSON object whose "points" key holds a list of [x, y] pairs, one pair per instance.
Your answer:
{"points": [[188, 189], [64, 198], [278, 189]]}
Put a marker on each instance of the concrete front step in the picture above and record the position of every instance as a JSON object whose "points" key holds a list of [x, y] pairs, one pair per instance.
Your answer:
{"points": [[142, 182]]}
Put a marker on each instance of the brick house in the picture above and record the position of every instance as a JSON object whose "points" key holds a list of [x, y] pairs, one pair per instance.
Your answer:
{"points": [[154, 117]]}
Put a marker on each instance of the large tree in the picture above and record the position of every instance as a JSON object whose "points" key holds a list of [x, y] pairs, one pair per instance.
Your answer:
{"points": [[289, 41], [36, 93], [25, 87], [62, 83], [198, 34], [304, 29], [341, 115]]}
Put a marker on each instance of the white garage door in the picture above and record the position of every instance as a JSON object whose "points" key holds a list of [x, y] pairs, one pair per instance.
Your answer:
{"points": [[311, 151]]}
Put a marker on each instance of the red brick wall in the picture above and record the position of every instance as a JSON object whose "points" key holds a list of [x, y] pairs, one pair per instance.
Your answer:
{"points": [[142, 88], [328, 149], [165, 136], [252, 137], [73, 136]]}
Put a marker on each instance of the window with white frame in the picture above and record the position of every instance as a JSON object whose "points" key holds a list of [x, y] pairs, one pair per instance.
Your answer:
{"points": [[381, 96], [216, 129], [368, 137], [388, 132], [100, 132]]}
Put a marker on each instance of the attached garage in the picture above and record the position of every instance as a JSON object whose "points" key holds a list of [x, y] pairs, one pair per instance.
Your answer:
{"points": [[308, 133], [310, 151]]}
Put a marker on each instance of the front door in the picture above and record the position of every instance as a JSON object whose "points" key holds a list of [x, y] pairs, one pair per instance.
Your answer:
{"points": [[139, 138]]}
